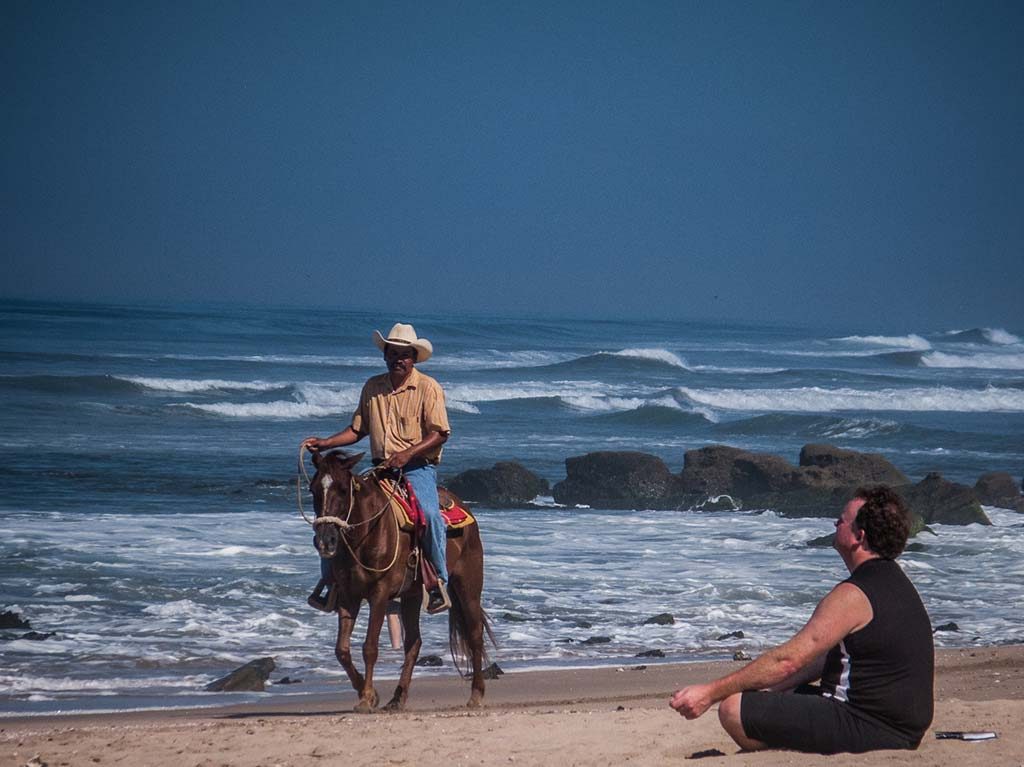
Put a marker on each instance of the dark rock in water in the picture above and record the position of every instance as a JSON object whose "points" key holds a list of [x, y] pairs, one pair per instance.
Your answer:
{"points": [[430, 660], [492, 672], [12, 620], [758, 473], [597, 640], [740, 655], [650, 654], [37, 636], [248, 678], [822, 542], [507, 485], [661, 619], [583, 624], [818, 487], [937, 500], [731, 635], [288, 680], [513, 618], [618, 480], [846, 467], [997, 488], [951, 626], [708, 470]]}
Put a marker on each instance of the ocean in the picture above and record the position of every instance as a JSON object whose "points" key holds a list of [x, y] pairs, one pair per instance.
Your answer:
{"points": [[148, 515]]}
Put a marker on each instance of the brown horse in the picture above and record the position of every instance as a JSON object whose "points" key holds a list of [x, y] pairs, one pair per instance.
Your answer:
{"points": [[371, 560]]}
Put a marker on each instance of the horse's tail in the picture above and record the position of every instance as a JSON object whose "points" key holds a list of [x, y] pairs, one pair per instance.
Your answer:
{"points": [[458, 635]]}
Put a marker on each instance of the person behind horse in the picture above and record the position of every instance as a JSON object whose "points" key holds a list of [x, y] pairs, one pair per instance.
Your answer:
{"points": [[869, 641], [404, 413]]}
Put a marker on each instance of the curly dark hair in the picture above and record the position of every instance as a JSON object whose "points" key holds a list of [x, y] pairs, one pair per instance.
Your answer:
{"points": [[885, 520]]}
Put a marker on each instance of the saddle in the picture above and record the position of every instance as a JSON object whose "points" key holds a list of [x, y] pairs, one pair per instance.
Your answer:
{"points": [[409, 516]]}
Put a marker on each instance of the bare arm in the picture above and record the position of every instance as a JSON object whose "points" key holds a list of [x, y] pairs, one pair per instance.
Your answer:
{"points": [[844, 610], [809, 673], [346, 436]]}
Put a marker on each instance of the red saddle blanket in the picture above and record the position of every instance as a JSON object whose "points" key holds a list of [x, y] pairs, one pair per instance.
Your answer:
{"points": [[407, 509]]}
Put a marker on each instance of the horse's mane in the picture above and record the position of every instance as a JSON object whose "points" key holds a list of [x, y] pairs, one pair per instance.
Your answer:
{"points": [[331, 462]]}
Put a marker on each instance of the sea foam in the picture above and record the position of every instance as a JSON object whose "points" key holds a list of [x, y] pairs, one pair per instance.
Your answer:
{"points": [[911, 342], [814, 399], [1000, 336], [987, 361], [191, 386], [657, 355]]}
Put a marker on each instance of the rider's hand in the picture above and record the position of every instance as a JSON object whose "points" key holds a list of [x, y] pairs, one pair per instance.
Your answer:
{"points": [[398, 460], [312, 444]]}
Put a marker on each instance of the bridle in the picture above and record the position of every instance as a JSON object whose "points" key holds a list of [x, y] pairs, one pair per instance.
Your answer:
{"points": [[344, 525]]}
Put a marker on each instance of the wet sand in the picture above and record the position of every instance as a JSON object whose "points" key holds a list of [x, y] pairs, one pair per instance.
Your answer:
{"points": [[604, 716]]}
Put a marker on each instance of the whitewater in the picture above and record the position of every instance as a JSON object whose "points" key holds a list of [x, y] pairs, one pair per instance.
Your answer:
{"points": [[148, 518]]}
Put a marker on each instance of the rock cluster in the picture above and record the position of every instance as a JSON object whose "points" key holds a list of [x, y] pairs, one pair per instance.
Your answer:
{"points": [[507, 485], [997, 488], [721, 477]]}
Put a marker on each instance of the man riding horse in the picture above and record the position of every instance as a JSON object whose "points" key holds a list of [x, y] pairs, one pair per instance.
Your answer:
{"points": [[403, 411]]}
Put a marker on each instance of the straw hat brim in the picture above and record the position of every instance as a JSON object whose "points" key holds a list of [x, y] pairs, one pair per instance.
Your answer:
{"points": [[424, 349]]}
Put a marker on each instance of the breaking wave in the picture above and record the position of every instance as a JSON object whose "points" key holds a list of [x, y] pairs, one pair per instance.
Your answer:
{"points": [[655, 355], [911, 342], [192, 386], [989, 361], [624, 360], [814, 399], [995, 336]]}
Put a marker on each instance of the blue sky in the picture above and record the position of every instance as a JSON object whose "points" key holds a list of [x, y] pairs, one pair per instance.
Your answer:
{"points": [[855, 163]]}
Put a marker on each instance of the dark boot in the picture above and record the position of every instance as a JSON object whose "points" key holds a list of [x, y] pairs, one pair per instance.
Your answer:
{"points": [[317, 599], [437, 600]]}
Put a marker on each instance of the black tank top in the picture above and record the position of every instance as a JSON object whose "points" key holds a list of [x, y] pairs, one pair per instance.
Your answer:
{"points": [[886, 670]]}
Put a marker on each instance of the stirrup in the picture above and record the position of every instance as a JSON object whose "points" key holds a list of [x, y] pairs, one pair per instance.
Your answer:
{"points": [[327, 603], [436, 600]]}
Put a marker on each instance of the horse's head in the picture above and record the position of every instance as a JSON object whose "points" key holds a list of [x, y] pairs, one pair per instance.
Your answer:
{"points": [[331, 486]]}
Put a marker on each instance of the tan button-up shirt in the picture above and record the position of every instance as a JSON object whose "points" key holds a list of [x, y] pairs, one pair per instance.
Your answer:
{"points": [[397, 419]]}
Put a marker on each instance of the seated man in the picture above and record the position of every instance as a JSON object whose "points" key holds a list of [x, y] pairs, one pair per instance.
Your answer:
{"points": [[403, 412], [869, 641]]}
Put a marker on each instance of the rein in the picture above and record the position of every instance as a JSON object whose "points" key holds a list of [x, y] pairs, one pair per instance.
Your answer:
{"points": [[344, 525]]}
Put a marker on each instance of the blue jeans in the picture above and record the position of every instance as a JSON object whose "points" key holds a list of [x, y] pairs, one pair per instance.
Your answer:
{"points": [[424, 484], [423, 481]]}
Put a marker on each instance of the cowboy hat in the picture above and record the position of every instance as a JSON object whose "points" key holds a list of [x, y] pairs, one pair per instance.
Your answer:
{"points": [[405, 335]]}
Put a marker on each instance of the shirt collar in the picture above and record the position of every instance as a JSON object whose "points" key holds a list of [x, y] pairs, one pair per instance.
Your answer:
{"points": [[410, 383]]}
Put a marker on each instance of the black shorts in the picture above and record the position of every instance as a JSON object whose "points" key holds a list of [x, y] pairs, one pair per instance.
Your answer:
{"points": [[813, 724]]}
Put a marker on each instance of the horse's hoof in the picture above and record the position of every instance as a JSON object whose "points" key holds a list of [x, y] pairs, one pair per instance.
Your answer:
{"points": [[394, 706], [363, 707], [475, 702]]}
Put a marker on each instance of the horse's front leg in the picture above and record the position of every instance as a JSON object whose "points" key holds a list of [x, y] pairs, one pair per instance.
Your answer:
{"points": [[368, 698], [347, 614], [413, 641]]}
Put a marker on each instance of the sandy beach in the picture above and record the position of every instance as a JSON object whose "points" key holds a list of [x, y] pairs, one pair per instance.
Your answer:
{"points": [[608, 716]]}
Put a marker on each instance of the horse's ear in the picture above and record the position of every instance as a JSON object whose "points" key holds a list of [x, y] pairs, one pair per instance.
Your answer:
{"points": [[315, 457], [351, 461]]}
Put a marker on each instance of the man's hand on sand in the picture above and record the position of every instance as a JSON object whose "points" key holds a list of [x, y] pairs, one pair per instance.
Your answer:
{"points": [[691, 701]]}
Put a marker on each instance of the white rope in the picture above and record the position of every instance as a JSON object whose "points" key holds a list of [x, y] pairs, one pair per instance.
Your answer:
{"points": [[343, 524]]}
